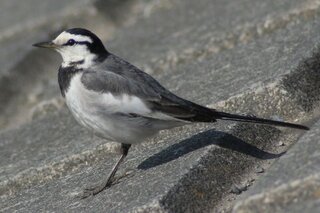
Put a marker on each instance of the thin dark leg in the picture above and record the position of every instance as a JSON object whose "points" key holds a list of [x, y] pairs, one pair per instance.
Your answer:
{"points": [[95, 190]]}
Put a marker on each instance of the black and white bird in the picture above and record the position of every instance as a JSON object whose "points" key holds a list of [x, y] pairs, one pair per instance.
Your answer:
{"points": [[118, 101]]}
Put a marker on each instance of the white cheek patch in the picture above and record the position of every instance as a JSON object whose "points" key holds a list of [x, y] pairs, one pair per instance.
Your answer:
{"points": [[65, 36], [70, 53], [75, 53]]}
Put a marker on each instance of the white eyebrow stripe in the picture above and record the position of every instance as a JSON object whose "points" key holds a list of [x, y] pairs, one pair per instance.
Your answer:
{"points": [[65, 36], [81, 38]]}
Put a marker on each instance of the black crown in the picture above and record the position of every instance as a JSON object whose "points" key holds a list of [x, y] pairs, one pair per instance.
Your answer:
{"points": [[96, 46]]}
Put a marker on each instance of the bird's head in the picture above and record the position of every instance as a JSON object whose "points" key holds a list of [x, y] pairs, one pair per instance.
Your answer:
{"points": [[77, 46]]}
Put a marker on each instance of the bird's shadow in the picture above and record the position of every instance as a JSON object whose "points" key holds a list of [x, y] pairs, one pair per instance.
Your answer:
{"points": [[203, 139]]}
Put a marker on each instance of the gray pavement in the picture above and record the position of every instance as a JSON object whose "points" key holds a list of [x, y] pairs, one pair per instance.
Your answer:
{"points": [[291, 184], [251, 57]]}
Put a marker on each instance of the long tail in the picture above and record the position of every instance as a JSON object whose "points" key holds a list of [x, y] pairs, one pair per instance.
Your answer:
{"points": [[241, 118]]}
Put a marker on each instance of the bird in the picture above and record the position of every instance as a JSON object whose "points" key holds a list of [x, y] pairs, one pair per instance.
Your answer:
{"points": [[119, 102]]}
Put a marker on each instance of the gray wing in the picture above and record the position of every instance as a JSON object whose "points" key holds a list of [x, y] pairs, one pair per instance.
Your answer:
{"points": [[119, 77]]}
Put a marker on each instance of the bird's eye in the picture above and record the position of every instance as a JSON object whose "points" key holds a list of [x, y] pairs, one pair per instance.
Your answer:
{"points": [[71, 42]]}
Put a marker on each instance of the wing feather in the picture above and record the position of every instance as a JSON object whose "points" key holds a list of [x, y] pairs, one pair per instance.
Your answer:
{"points": [[119, 77]]}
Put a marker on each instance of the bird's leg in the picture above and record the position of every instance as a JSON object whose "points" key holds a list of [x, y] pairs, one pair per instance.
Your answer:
{"points": [[124, 152], [95, 190]]}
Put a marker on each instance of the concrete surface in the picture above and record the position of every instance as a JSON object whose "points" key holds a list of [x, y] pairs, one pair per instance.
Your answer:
{"points": [[179, 168], [190, 30], [291, 184], [251, 57]]}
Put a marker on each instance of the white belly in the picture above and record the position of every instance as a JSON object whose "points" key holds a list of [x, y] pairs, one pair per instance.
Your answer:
{"points": [[107, 115]]}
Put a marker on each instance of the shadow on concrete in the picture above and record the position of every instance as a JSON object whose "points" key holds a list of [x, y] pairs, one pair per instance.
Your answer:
{"points": [[201, 140]]}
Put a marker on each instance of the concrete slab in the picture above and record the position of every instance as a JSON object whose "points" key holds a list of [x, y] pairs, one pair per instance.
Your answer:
{"points": [[46, 163], [291, 184], [179, 170], [184, 30]]}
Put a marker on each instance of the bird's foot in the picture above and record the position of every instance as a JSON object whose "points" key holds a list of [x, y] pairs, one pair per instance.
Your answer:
{"points": [[102, 186], [95, 189]]}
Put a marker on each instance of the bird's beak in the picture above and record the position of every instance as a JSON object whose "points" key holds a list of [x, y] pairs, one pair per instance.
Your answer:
{"points": [[47, 44]]}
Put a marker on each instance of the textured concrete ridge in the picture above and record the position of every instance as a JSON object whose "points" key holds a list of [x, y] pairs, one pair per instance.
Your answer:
{"points": [[292, 184], [62, 146], [165, 164], [245, 56], [267, 70], [184, 31]]}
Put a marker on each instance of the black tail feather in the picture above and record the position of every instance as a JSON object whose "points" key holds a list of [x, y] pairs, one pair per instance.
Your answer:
{"points": [[241, 118]]}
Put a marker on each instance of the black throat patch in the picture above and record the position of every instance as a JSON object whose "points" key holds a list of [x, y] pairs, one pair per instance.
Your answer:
{"points": [[64, 77]]}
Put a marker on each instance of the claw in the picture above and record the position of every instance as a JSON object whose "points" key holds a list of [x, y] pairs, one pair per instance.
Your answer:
{"points": [[95, 190]]}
